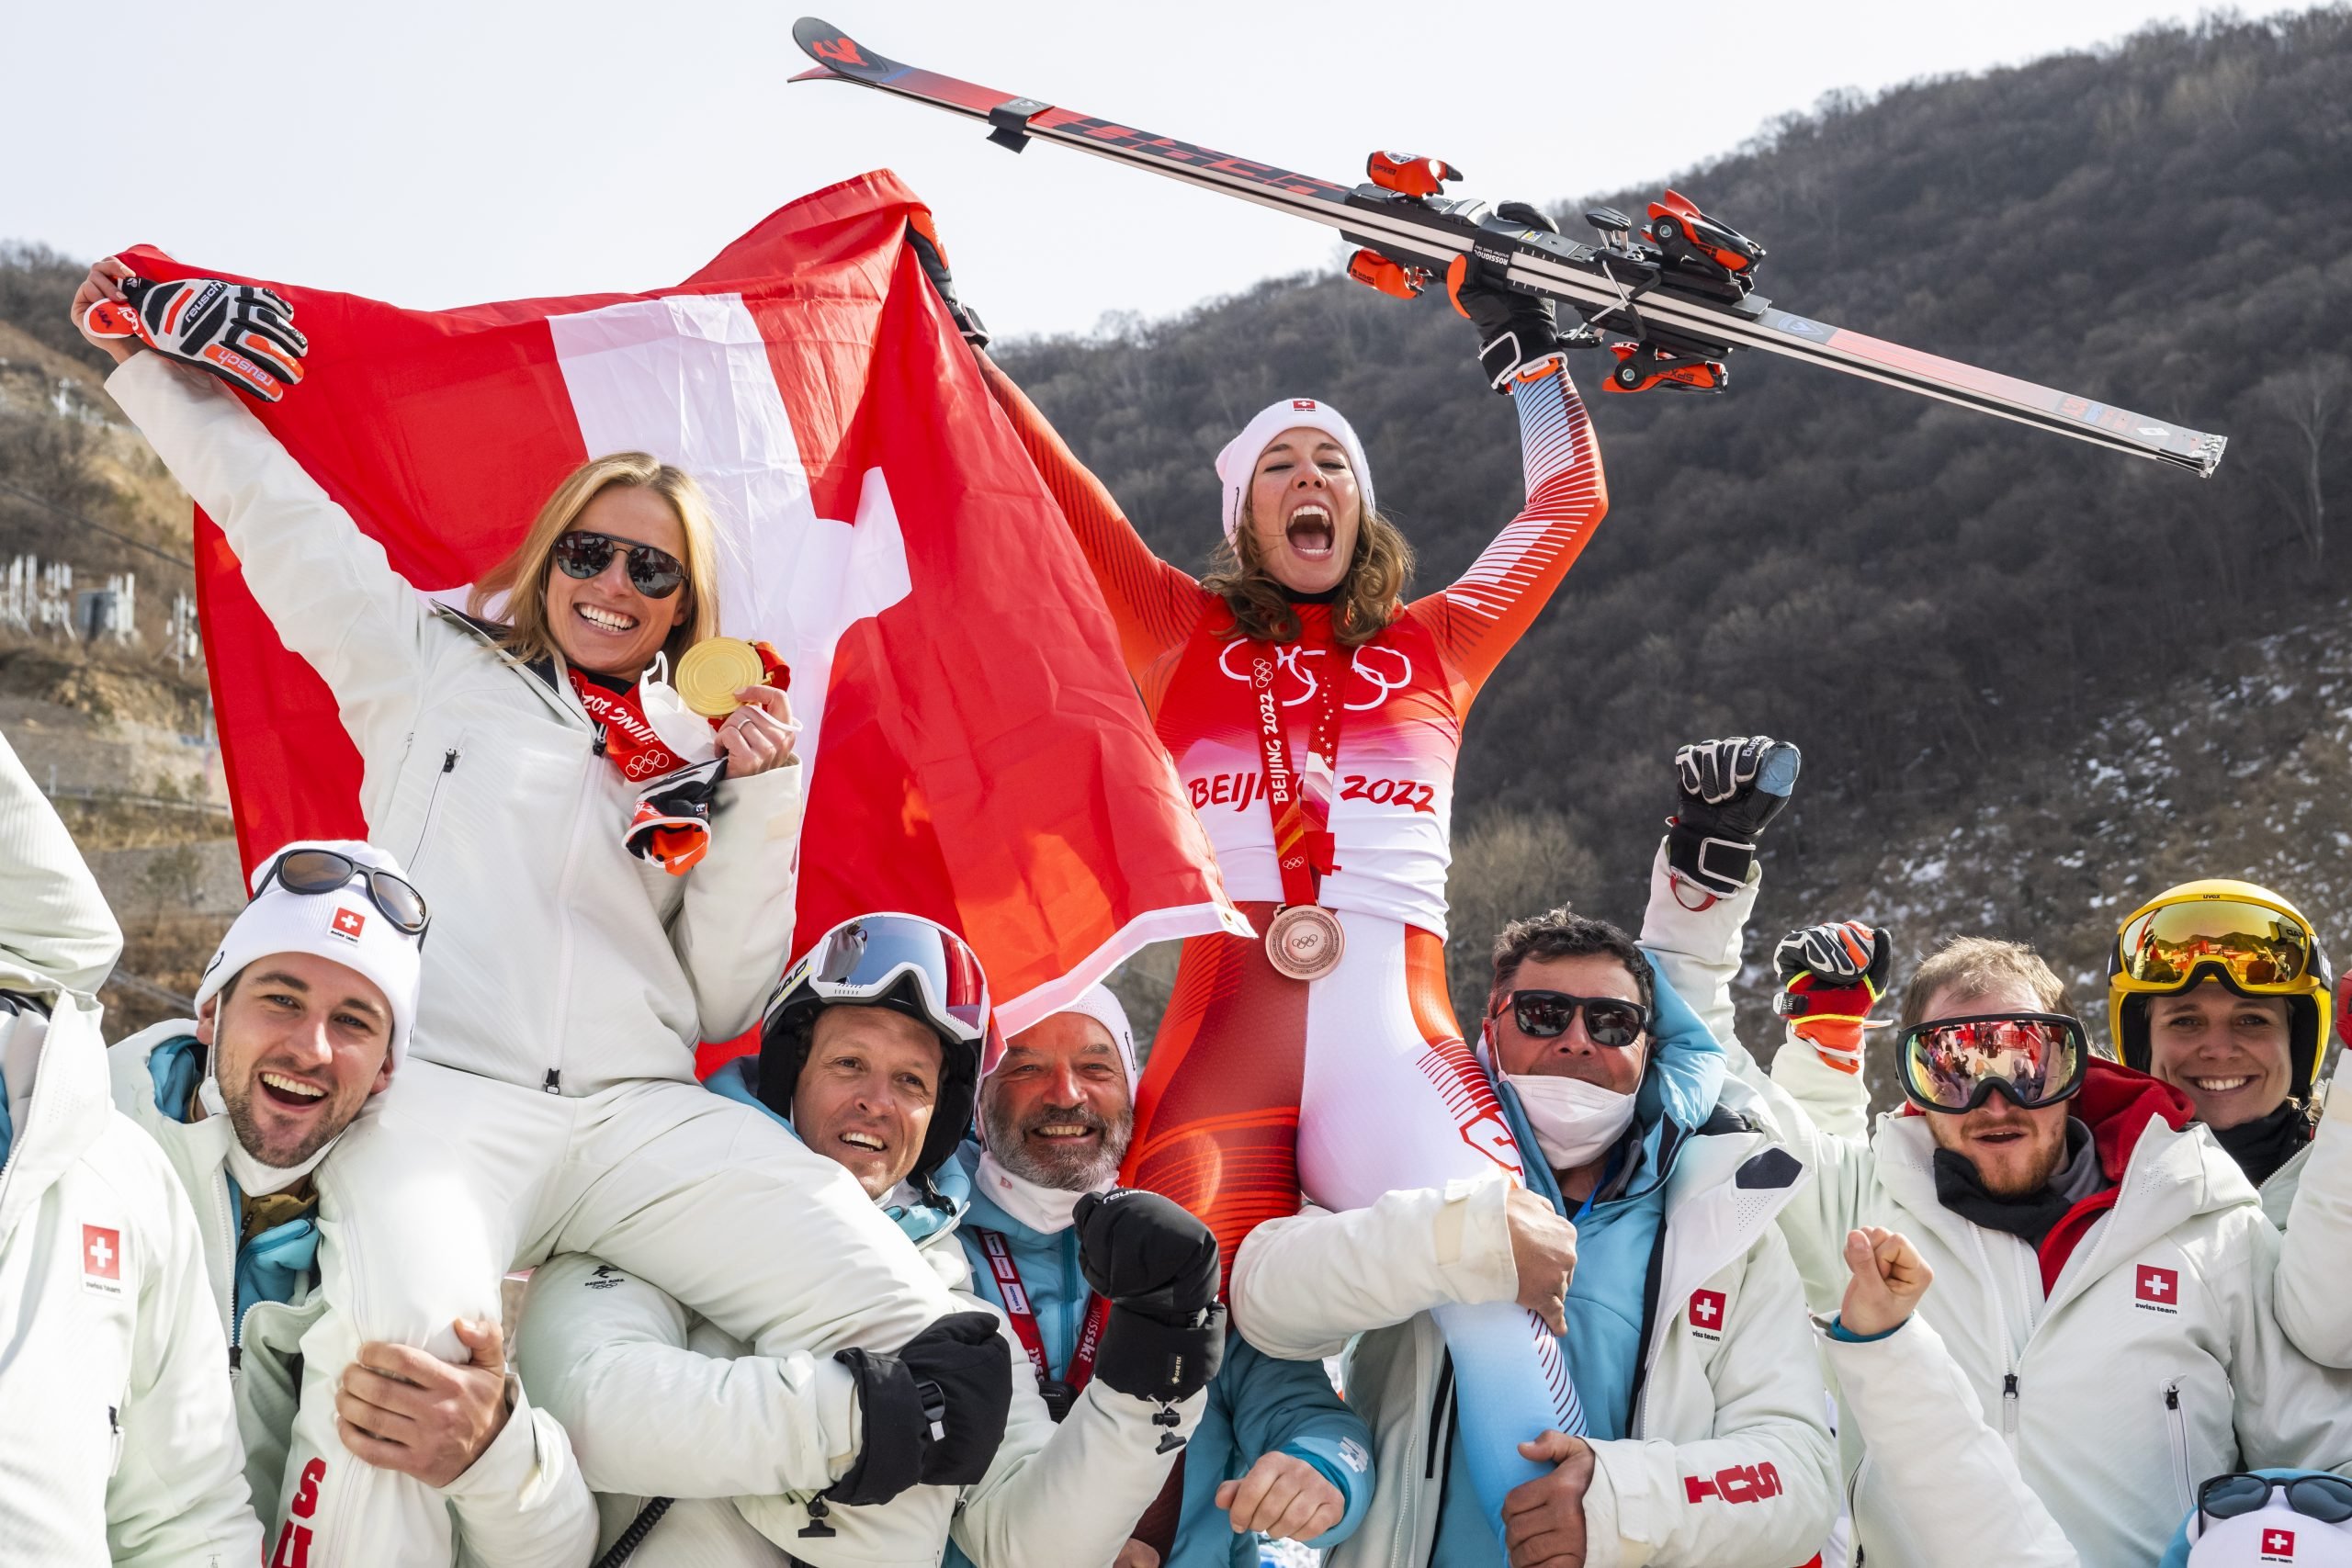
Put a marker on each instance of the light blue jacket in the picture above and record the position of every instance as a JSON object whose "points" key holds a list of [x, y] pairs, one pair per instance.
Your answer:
{"points": [[1257, 1405]]}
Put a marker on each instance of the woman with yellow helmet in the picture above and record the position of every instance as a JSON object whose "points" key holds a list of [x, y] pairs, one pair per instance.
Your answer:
{"points": [[2221, 990]]}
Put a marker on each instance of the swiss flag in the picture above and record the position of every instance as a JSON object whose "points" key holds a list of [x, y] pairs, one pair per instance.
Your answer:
{"points": [[2159, 1285], [101, 1253], [975, 750], [2279, 1546], [1707, 1310], [349, 923]]}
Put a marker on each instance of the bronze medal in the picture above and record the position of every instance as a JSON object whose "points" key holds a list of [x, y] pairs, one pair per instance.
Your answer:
{"points": [[1305, 941], [713, 670]]}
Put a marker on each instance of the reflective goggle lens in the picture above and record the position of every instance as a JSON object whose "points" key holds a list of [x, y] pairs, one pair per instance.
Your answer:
{"points": [[2258, 948], [1546, 1015], [1954, 1065], [867, 952]]}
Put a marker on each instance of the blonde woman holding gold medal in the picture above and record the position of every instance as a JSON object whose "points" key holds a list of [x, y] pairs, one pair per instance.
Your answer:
{"points": [[533, 782], [1314, 716]]}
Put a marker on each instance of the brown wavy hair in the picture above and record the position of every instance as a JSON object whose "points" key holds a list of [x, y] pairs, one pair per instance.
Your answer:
{"points": [[1371, 595]]}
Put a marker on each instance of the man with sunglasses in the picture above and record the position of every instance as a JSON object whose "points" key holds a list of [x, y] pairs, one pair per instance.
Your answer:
{"points": [[2105, 1269], [117, 1442], [1643, 1239], [303, 1017]]}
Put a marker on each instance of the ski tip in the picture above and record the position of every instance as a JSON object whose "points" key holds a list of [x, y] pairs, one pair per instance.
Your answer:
{"points": [[837, 53]]}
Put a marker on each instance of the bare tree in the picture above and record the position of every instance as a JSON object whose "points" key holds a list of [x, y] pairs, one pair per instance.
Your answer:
{"points": [[2310, 401]]}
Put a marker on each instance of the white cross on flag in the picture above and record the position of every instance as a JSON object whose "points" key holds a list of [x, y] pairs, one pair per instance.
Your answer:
{"points": [[2278, 1545], [101, 1253], [1707, 1311], [2159, 1285], [349, 923]]}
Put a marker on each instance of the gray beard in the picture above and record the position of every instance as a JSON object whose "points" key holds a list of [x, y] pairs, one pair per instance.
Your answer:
{"points": [[1065, 1174]]}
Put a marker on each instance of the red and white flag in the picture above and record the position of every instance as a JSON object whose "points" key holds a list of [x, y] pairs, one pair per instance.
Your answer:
{"points": [[975, 752]]}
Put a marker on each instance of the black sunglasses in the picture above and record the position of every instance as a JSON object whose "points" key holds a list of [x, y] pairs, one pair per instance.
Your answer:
{"points": [[1611, 1021], [2327, 1498], [654, 573], [331, 871]]}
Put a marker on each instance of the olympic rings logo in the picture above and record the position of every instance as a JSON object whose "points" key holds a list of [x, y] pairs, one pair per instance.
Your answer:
{"points": [[1385, 670]]}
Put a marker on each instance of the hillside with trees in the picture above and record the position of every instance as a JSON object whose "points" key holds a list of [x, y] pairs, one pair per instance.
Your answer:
{"points": [[1946, 611]]}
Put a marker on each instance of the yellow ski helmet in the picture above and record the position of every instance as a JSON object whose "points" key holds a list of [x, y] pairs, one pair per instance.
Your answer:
{"points": [[2246, 936]]}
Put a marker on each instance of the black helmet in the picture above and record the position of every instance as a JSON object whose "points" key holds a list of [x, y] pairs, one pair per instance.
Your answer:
{"points": [[908, 965]]}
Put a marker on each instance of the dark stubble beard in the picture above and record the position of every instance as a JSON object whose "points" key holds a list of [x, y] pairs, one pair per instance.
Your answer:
{"points": [[1063, 1171], [239, 1104]]}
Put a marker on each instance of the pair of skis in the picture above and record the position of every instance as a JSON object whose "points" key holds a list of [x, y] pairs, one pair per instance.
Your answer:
{"points": [[1677, 292]]}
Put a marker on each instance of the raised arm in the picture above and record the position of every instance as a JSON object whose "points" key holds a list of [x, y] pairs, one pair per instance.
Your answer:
{"points": [[1488, 609], [1153, 603]]}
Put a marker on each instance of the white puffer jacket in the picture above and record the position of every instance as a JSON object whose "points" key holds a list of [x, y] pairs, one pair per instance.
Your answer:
{"points": [[558, 960], [668, 1405], [521, 1504], [1716, 1407], [2154, 1361], [117, 1440]]}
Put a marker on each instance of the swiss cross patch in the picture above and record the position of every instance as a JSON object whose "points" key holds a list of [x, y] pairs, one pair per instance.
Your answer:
{"points": [[348, 924], [2156, 1289], [102, 1261], [1706, 1313], [2277, 1546], [1306, 404]]}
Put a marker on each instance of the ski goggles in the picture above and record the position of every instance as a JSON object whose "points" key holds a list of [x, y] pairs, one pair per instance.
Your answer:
{"points": [[331, 871], [2256, 949], [898, 958], [654, 573], [1546, 1015], [1955, 1063], [2327, 1498]]}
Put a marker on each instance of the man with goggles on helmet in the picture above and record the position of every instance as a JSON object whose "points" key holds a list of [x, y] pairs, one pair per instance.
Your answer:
{"points": [[2221, 990], [2105, 1269], [707, 1454], [303, 1017]]}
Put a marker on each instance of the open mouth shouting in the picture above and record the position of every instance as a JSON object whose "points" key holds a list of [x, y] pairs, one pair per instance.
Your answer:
{"points": [[1310, 532]]}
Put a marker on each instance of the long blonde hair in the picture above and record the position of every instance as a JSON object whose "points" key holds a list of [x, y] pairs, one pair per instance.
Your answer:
{"points": [[1371, 594], [523, 576]]}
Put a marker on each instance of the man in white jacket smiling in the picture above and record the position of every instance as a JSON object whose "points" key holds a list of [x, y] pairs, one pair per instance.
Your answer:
{"points": [[1681, 1320], [117, 1440], [2105, 1287], [303, 1017]]}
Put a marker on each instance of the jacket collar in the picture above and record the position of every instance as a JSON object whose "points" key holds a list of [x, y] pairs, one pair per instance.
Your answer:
{"points": [[67, 1112], [547, 674]]}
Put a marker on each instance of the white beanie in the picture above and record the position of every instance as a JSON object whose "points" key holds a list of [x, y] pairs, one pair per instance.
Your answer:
{"points": [[1097, 1003], [343, 928], [2273, 1534], [1239, 461]]}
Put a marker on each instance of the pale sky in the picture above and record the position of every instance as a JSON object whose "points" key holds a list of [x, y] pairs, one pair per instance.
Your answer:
{"points": [[433, 154]]}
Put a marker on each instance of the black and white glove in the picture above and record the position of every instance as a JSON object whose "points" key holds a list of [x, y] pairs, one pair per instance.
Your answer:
{"points": [[1157, 1265], [932, 1415], [1726, 792], [671, 822], [239, 331], [924, 240], [1515, 328]]}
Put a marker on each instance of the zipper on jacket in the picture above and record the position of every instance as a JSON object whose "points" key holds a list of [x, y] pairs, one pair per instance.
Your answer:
{"points": [[564, 931], [433, 805], [229, 1286], [2177, 1428], [553, 1083], [2010, 1407], [1438, 1407], [114, 1439]]}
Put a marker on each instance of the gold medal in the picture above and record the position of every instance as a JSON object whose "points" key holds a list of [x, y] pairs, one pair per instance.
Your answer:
{"points": [[1305, 941], [713, 670]]}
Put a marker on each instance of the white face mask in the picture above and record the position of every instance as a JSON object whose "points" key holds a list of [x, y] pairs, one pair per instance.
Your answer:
{"points": [[1575, 1122], [255, 1179], [1047, 1210]]}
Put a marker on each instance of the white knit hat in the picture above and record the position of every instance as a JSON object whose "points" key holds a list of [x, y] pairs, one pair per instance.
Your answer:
{"points": [[1239, 461], [2272, 1534], [343, 928], [1097, 1003]]}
